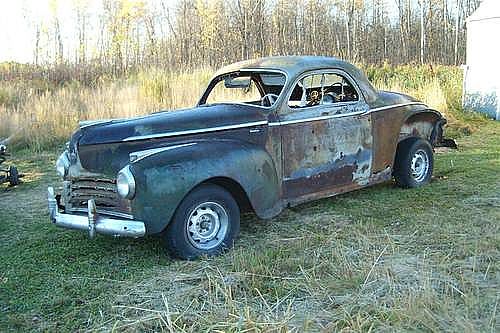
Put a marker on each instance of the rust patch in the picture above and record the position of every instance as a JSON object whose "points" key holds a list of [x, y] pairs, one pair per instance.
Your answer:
{"points": [[381, 176], [393, 125], [78, 191], [419, 128], [386, 128], [320, 181], [338, 153]]}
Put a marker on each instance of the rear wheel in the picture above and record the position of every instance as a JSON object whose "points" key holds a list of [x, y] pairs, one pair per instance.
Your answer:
{"points": [[206, 223], [414, 163]]}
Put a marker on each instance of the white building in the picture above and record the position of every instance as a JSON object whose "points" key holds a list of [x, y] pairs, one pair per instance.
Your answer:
{"points": [[482, 72]]}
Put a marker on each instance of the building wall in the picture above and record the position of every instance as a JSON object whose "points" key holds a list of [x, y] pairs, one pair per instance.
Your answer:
{"points": [[482, 73]]}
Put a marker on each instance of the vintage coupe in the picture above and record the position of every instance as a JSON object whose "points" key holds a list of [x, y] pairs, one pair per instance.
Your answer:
{"points": [[266, 134]]}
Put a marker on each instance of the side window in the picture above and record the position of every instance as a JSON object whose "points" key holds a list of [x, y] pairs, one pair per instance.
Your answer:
{"points": [[319, 89]]}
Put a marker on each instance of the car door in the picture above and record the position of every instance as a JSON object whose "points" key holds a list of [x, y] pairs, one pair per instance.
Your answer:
{"points": [[326, 136]]}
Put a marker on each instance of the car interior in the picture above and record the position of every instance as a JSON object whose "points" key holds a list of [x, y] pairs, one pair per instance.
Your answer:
{"points": [[318, 89], [256, 88], [264, 88]]}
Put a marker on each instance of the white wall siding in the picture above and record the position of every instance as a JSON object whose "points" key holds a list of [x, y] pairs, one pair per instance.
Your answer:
{"points": [[482, 72]]}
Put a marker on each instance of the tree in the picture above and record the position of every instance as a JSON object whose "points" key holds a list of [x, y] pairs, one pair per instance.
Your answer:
{"points": [[193, 33]]}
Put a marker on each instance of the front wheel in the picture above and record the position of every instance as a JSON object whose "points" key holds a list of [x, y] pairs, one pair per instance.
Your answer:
{"points": [[414, 163], [206, 223]]}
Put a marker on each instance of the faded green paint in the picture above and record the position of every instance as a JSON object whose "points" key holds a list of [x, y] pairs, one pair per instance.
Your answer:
{"points": [[164, 179]]}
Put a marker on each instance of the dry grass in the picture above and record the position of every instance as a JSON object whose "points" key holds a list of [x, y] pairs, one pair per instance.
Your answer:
{"points": [[44, 113], [44, 119], [440, 87]]}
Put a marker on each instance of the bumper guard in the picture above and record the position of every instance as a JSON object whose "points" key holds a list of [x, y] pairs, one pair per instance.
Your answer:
{"points": [[93, 222]]}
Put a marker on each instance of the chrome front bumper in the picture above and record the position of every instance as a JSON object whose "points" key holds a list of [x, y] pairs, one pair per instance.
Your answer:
{"points": [[93, 222]]}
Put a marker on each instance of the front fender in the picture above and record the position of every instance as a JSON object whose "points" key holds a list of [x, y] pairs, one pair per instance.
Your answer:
{"points": [[164, 178]]}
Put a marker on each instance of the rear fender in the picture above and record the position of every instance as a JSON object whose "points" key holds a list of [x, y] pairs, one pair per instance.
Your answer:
{"points": [[426, 124], [165, 177]]}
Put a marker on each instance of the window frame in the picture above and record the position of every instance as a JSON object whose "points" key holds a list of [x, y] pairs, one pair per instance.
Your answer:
{"points": [[213, 82], [339, 72], [220, 80]]}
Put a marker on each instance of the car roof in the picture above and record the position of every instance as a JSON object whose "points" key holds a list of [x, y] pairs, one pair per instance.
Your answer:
{"points": [[288, 64], [293, 66]]}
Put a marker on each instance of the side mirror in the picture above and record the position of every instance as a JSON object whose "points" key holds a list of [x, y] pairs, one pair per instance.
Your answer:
{"points": [[237, 82]]}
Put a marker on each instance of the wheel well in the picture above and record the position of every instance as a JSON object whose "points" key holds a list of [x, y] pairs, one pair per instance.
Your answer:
{"points": [[421, 125], [235, 189], [427, 115]]}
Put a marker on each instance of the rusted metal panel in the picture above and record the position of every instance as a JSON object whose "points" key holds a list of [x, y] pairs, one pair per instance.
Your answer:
{"points": [[273, 145], [322, 154], [419, 125], [77, 192], [392, 125], [386, 127], [109, 158], [164, 179]]}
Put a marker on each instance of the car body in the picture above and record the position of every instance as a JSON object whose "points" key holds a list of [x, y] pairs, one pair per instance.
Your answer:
{"points": [[318, 130]]}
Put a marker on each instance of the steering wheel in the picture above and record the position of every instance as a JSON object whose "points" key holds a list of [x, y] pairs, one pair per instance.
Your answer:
{"points": [[268, 99], [342, 95]]}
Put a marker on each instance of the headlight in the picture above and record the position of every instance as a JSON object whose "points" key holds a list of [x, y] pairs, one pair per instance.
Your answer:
{"points": [[125, 183], [62, 164]]}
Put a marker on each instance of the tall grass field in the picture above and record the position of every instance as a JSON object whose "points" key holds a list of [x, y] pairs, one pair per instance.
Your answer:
{"points": [[43, 107]]}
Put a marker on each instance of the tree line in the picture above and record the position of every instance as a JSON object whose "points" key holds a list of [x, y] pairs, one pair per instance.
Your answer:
{"points": [[196, 33]]}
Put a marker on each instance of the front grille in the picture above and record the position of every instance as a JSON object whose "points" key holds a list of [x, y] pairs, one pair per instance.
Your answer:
{"points": [[102, 190]]}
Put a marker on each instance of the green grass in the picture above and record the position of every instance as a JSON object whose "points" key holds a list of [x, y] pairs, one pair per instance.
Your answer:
{"points": [[378, 259]]}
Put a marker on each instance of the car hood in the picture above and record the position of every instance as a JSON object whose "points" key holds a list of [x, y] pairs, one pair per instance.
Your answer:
{"points": [[169, 123]]}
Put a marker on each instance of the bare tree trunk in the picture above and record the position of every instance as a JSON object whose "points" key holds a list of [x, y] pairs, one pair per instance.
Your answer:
{"points": [[347, 27], [402, 29], [457, 28], [444, 33], [422, 33], [37, 44]]}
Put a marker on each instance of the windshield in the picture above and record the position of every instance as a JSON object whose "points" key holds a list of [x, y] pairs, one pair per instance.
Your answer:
{"points": [[248, 87]]}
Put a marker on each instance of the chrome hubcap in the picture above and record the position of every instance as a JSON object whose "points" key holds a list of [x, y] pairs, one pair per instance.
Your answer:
{"points": [[419, 165], [207, 225]]}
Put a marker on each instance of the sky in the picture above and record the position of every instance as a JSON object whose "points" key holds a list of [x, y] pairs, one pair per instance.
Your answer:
{"points": [[19, 19], [17, 27], [15, 37]]}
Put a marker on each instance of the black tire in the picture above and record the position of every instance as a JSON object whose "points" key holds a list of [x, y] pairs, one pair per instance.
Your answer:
{"points": [[201, 203], [13, 176], [414, 163]]}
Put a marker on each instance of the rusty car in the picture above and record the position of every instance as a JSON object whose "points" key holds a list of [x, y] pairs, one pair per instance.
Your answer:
{"points": [[266, 134]]}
